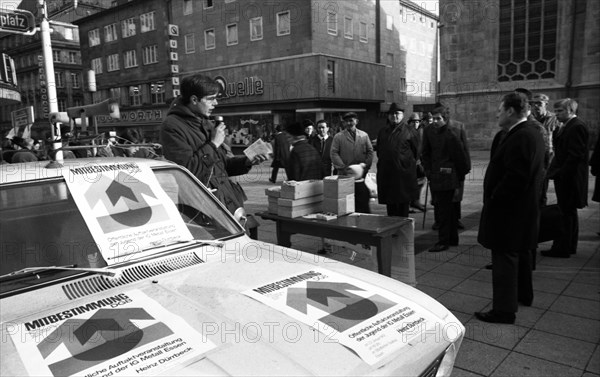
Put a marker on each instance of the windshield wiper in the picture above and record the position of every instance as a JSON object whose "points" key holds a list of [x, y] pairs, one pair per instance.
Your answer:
{"points": [[159, 244], [29, 271]]}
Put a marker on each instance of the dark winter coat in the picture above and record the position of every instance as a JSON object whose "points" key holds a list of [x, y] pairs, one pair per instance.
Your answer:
{"points": [[397, 149], [281, 150], [569, 167], [511, 190], [595, 167], [304, 163], [186, 140], [442, 149]]}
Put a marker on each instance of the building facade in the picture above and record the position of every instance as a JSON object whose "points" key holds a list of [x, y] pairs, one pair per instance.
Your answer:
{"points": [[490, 47], [277, 61]]}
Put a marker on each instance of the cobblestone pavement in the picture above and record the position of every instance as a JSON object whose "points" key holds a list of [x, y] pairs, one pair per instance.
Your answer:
{"points": [[559, 335]]}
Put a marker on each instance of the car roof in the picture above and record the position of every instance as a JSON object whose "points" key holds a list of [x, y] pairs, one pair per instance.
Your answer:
{"points": [[31, 171]]}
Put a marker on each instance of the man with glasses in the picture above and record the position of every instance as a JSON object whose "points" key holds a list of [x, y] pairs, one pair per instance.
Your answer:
{"points": [[192, 140]]}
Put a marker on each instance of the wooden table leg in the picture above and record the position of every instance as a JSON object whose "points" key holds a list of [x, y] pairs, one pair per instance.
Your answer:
{"points": [[283, 238], [384, 256]]}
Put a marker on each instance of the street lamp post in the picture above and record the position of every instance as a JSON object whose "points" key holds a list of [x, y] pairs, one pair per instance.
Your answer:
{"points": [[49, 70]]}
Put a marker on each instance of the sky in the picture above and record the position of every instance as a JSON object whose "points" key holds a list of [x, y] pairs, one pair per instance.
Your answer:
{"points": [[10, 4]]}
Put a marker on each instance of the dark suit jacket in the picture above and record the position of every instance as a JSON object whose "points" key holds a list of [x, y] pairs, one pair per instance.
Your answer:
{"points": [[443, 149], [304, 162], [325, 153], [511, 190], [569, 167], [281, 150]]}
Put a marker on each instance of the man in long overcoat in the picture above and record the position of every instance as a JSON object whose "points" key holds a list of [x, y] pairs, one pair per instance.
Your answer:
{"points": [[510, 216], [397, 148], [569, 170]]}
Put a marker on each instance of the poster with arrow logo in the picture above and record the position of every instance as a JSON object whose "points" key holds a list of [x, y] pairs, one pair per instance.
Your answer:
{"points": [[371, 321], [125, 209], [126, 334]]}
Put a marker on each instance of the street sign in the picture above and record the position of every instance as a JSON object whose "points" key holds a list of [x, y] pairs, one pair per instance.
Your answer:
{"points": [[22, 117], [17, 21]]}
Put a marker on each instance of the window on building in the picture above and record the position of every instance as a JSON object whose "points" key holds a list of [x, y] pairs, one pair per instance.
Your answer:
{"points": [[112, 62], [62, 104], [331, 76], [283, 23], [68, 34], [332, 26], [94, 37], [188, 7], [403, 84], [73, 57], [114, 93], [256, 28], [135, 95], [59, 79], [209, 39], [75, 80], [208, 4], [232, 34], [56, 56], [362, 32], [527, 40], [97, 65], [190, 43], [147, 22], [110, 33], [348, 28], [150, 54], [77, 102], [390, 59], [389, 22], [130, 58], [128, 28], [157, 92]]}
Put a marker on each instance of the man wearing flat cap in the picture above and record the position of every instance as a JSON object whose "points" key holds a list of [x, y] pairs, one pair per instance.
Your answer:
{"points": [[304, 162], [397, 145], [352, 148]]}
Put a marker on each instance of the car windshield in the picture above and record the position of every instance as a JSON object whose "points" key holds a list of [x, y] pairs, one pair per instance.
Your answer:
{"points": [[41, 225]]}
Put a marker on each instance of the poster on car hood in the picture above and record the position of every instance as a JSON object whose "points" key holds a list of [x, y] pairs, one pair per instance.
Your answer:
{"points": [[125, 209], [124, 334], [371, 321]]}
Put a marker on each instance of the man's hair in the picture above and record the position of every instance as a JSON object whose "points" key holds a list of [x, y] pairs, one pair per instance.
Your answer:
{"points": [[199, 86], [518, 101], [442, 110], [321, 121], [567, 103]]}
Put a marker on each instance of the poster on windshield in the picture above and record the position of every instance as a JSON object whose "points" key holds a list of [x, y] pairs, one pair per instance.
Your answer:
{"points": [[125, 334], [371, 321], [125, 208]]}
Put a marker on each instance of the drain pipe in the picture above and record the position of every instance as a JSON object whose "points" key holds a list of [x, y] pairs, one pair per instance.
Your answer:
{"points": [[569, 82]]}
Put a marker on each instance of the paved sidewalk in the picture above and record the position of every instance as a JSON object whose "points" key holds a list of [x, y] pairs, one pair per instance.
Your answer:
{"points": [[559, 335]]}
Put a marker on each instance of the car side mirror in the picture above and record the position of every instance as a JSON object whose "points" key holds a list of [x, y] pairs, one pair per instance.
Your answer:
{"points": [[240, 216]]}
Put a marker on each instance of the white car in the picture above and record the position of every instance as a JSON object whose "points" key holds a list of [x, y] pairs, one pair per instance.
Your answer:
{"points": [[121, 267]]}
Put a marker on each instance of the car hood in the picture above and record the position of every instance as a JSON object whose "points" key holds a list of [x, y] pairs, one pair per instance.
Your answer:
{"points": [[224, 331]]}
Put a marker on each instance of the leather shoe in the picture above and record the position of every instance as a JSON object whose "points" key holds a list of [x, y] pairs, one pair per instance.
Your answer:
{"points": [[488, 266], [418, 206], [495, 317], [438, 247], [460, 225], [525, 302], [554, 254], [271, 180]]}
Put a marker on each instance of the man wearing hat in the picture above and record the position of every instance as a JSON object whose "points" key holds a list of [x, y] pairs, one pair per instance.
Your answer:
{"points": [[397, 146], [415, 121], [352, 154], [304, 162]]}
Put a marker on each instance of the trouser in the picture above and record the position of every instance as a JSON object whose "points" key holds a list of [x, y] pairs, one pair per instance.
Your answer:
{"points": [[274, 174], [566, 242], [511, 279], [397, 209], [448, 232], [362, 197]]}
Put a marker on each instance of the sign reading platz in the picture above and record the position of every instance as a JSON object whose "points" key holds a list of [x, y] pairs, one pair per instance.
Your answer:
{"points": [[17, 21]]}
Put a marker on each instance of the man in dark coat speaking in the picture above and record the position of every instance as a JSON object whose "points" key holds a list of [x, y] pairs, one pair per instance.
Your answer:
{"points": [[191, 140], [510, 216], [397, 145]]}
